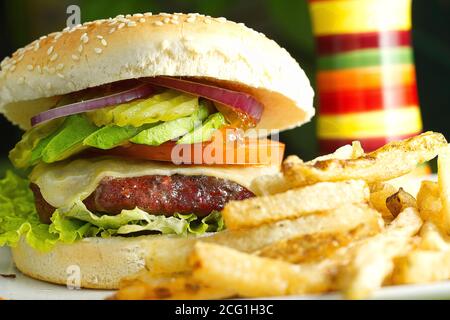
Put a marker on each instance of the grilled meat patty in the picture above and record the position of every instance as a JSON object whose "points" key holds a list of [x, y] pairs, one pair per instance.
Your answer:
{"points": [[155, 194]]}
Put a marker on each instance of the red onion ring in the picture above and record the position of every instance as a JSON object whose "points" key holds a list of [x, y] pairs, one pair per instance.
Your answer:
{"points": [[138, 92], [239, 102]]}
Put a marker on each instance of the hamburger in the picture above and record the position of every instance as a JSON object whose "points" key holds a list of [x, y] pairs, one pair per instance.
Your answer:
{"points": [[139, 129]]}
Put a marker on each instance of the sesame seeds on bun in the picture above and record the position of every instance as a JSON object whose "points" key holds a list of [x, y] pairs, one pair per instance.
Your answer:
{"points": [[145, 45]]}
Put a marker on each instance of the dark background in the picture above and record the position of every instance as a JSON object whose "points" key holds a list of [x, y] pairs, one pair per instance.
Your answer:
{"points": [[285, 21]]}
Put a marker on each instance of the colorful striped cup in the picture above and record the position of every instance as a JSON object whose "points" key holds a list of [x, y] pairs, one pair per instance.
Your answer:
{"points": [[366, 78]]}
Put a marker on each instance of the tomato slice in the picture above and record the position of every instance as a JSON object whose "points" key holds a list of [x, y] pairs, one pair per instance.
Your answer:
{"points": [[244, 151]]}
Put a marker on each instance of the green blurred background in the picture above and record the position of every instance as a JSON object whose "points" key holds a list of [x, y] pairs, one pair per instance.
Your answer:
{"points": [[285, 21]]}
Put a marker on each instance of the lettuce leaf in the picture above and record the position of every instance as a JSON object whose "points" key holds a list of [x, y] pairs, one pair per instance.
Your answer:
{"points": [[137, 220], [18, 218]]}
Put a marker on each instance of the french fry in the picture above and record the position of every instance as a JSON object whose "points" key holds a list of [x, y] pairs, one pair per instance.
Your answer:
{"points": [[315, 247], [277, 183], [432, 239], [422, 266], [391, 161], [379, 192], [181, 287], [348, 151], [371, 259], [252, 276], [444, 188], [357, 150], [175, 258], [429, 262], [293, 203], [399, 201], [270, 184], [429, 203]]}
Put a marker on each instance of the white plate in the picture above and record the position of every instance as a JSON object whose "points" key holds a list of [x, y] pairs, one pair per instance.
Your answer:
{"points": [[23, 287]]}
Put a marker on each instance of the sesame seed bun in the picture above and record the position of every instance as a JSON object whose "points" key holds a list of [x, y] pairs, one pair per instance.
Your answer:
{"points": [[145, 45]]}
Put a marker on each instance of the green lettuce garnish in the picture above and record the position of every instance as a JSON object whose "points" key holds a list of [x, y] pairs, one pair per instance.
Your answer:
{"points": [[18, 218]]}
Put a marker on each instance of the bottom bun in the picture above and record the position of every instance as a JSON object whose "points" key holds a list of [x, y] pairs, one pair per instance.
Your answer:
{"points": [[102, 263], [92, 262]]}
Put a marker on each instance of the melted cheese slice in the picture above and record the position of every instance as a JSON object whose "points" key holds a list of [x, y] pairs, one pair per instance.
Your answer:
{"points": [[65, 182]]}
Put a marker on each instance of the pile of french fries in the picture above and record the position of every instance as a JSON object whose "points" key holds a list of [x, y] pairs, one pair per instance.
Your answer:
{"points": [[331, 224]]}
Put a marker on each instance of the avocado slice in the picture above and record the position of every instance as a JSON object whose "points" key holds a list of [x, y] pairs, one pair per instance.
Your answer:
{"points": [[112, 136], [69, 139], [36, 153], [172, 129], [204, 132]]}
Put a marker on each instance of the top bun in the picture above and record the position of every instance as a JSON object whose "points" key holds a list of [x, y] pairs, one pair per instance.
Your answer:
{"points": [[146, 45]]}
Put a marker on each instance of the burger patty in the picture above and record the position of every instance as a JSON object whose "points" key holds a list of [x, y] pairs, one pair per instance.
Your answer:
{"points": [[155, 194]]}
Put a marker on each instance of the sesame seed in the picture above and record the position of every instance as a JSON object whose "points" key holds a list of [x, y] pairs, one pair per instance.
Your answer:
{"points": [[128, 16], [13, 67], [166, 20], [142, 20], [66, 29], [21, 80], [80, 48], [36, 46], [120, 16], [207, 21], [58, 35], [158, 23], [104, 43], [131, 24], [84, 37], [72, 30], [43, 37], [54, 57], [75, 57], [221, 19], [20, 57], [190, 19], [148, 14], [13, 61], [177, 14], [99, 37], [112, 22], [121, 25], [48, 85], [60, 66], [138, 15], [30, 67], [60, 75], [98, 50], [112, 30], [50, 50], [39, 69], [175, 17], [174, 21], [165, 14]]}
